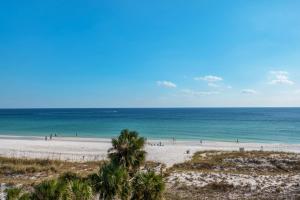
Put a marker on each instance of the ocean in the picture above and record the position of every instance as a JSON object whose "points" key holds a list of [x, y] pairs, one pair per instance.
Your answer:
{"points": [[265, 125]]}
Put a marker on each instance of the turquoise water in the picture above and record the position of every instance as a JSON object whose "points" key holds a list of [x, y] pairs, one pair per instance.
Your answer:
{"points": [[223, 124]]}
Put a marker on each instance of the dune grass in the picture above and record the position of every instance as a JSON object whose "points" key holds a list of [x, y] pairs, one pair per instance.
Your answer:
{"points": [[33, 171], [262, 162], [251, 163]]}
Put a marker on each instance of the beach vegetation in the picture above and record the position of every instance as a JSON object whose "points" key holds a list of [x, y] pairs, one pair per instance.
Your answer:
{"points": [[147, 186], [120, 177], [17, 194], [106, 180], [128, 150], [113, 182], [47, 190], [66, 187], [29, 172], [262, 162], [214, 190]]}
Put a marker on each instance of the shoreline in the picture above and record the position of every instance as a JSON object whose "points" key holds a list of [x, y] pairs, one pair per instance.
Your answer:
{"points": [[165, 139], [89, 149]]}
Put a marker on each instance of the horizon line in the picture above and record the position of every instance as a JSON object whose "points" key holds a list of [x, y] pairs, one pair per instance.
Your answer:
{"points": [[177, 107]]}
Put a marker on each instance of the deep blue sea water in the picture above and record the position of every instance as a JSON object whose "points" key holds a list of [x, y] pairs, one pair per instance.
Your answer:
{"points": [[223, 124]]}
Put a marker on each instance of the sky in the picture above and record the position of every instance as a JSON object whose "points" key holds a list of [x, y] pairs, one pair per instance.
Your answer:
{"points": [[159, 53]]}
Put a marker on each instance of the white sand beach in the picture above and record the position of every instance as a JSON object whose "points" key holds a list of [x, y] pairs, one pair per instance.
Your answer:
{"points": [[83, 149]]}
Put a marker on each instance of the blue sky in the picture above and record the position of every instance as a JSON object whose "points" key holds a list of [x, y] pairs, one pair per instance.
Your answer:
{"points": [[149, 53]]}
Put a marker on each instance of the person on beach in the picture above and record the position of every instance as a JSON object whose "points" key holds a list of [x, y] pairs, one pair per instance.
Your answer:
{"points": [[201, 142], [76, 134], [237, 140], [46, 138], [174, 140], [51, 136]]}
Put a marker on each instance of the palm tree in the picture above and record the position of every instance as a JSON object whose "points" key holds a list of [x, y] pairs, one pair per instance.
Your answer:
{"points": [[147, 186], [127, 150], [113, 182], [13, 193], [47, 190], [73, 187], [16, 194], [81, 190], [94, 181], [25, 196], [67, 187]]}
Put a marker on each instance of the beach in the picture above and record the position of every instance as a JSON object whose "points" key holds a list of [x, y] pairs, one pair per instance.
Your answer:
{"points": [[191, 170], [91, 149]]}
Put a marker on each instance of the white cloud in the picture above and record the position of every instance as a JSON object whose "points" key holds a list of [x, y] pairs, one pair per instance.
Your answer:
{"points": [[198, 93], [249, 91], [166, 84], [209, 78], [213, 85], [297, 91], [280, 77]]}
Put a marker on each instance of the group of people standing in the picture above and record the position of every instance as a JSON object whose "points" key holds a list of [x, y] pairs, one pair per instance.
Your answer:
{"points": [[55, 135], [50, 137]]}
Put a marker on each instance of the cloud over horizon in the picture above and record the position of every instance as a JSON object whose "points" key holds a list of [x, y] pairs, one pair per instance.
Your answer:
{"points": [[209, 79], [166, 84], [249, 91], [198, 93], [280, 78]]}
